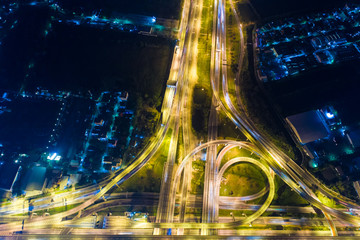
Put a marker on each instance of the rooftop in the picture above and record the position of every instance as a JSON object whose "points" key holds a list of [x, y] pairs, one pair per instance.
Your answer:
{"points": [[35, 178], [308, 126]]}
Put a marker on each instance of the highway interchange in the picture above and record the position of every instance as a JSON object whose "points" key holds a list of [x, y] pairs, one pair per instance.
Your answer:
{"points": [[174, 192]]}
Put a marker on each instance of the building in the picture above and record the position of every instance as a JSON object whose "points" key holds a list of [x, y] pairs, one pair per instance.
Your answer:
{"points": [[354, 138], [34, 181], [308, 126], [9, 173], [318, 42], [124, 96], [330, 40], [74, 163], [324, 56], [287, 51], [112, 143], [337, 38], [99, 121]]}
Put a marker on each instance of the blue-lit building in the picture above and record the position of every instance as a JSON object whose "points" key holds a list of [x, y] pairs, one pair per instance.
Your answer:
{"points": [[300, 44], [34, 181], [308, 126]]}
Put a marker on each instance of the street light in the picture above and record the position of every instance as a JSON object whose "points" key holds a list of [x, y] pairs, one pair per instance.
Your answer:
{"points": [[244, 214], [231, 214]]}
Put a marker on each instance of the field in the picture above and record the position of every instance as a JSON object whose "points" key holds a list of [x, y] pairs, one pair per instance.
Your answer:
{"points": [[158, 8], [86, 58]]}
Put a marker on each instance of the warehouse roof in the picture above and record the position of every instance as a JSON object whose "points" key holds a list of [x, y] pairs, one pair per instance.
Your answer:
{"points": [[35, 179], [308, 126]]}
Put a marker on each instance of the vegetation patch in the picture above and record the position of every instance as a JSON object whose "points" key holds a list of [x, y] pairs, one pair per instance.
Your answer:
{"points": [[228, 130], [197, 181], [247, 12], [200, 109], [201, 102], [148, 178], [236, 152], [327, 201], [242, 180], [120, 210], [285, 196]]}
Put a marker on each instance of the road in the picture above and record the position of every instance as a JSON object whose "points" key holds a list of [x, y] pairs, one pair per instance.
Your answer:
{"points": [[208, 210], [300, 180], [189, 20], [192, 77], [245, 145], [100, 234]]}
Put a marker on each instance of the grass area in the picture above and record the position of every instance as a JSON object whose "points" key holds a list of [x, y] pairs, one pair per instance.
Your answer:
{"points": [[148, 178], [198, 176], [204, 45], [57, 191], [242, 180], [245, 175], [237, 213], [120, 210], [232, 43], [227, 129], [145, 124], [195, 212], [200, 110], [327, 201], [236, 152], [285, 196], [4, 202], [52, 211], [246, 12], [202, 90], [180, 151]]}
